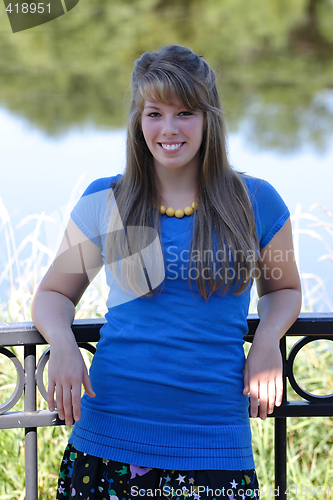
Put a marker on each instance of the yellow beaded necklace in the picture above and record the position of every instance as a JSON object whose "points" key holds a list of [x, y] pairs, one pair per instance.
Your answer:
{"points": [[179, 213]]}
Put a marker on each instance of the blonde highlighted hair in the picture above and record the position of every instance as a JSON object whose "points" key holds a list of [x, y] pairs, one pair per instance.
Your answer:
{"points": [[224, 219]]}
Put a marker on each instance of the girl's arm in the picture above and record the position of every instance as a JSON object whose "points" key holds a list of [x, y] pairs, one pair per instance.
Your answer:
{"points": [[280, 298], [77, 262]]}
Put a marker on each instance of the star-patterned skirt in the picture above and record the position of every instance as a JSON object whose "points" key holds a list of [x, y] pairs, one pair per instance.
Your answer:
{"points": [[86, 477]]}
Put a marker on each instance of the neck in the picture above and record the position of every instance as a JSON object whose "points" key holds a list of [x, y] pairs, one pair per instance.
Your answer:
{"points": [[178, 195], [177, 187]]}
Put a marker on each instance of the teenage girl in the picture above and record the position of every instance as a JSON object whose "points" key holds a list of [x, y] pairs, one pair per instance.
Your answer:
{"points": [[182, 236]]}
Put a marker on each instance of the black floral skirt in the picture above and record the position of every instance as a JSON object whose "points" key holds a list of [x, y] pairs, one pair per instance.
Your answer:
{"points": [[86, 477]]}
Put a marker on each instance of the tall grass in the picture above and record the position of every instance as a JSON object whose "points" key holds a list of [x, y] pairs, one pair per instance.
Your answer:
{"points": [[320, 228], [310, 455]]}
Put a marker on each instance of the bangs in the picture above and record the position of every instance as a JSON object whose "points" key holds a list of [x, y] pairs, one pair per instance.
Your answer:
{"points": [[170, 89]]}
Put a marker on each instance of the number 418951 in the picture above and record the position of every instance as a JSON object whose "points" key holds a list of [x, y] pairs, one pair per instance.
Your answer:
{"points": [[29, 8]]}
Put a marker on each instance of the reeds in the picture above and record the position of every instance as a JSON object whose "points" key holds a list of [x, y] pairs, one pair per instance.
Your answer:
{"points": [[310, 455], [315, 293]]}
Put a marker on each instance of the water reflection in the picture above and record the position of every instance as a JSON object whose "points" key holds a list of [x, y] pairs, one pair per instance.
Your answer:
{"points": [[275, 64], [285, 128], [65, 88]]}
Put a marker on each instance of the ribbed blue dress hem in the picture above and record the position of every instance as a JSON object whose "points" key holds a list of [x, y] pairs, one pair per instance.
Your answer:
{"points": [[161, 445]]}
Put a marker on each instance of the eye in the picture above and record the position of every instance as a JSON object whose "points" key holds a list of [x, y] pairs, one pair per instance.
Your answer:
{"points": [[154, 115], [185, 113]]}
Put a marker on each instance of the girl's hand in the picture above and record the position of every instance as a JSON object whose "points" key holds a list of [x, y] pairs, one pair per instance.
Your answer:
{"points": [[263, 377], [67, 373]]}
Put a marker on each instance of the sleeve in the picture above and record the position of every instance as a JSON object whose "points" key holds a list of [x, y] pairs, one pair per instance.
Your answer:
{"points": [[270, 210], [89, 212]]}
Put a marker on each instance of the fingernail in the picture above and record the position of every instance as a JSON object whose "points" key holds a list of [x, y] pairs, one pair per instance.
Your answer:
{"points": [[62, 417], [69, 423], [254, 415], [76, 418]]}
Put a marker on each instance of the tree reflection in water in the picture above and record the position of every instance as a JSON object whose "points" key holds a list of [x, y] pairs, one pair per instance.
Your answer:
{"points": [[274, 60]]}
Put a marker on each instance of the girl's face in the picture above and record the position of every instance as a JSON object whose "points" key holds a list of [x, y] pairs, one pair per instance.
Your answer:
{"points": [[173, 135]]}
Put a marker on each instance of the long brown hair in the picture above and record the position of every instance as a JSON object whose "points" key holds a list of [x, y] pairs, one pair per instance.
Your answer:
{"points": [[224, 219]]}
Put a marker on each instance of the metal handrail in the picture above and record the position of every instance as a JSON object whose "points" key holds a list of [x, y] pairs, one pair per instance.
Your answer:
{"points": [[310, 327]]}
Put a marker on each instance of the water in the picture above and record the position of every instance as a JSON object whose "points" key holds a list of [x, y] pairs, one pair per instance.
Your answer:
{"points": [[39, 174]]}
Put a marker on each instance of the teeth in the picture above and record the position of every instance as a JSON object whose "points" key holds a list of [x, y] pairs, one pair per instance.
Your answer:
{"points": [[171, 146]]}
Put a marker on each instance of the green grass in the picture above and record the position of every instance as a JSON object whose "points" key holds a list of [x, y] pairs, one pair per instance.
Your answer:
{"points": [[310, 440]]}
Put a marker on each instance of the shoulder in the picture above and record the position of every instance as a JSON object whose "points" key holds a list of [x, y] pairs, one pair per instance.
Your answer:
{"points": [[270, 210], [101, 184], [256, 186], [89, 212], [261, 192]]}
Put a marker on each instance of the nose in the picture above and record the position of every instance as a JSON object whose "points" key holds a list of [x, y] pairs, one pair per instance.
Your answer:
{"points": [[169, 126]]}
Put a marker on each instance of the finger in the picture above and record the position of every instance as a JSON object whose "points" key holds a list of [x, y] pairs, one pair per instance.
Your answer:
{"points": [[76, 400], [50, 395], [271, 396], [67, 401], [254, 394], [60, 405], [279, 390], [263, 399], [246, 380], [87, 385]]}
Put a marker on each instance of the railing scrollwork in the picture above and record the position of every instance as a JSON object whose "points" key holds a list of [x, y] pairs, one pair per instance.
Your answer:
{"points": [[19, 388], [313, 398]]}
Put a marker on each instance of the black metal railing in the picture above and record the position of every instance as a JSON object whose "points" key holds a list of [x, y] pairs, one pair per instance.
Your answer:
{"points": [[310, 327]]}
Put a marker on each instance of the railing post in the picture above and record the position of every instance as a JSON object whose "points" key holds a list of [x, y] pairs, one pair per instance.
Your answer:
{"points": [[31, 471], [280, 437], [281, 457]]}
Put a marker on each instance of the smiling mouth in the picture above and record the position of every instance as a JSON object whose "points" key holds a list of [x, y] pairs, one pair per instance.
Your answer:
{"points": [[171, 147]]}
